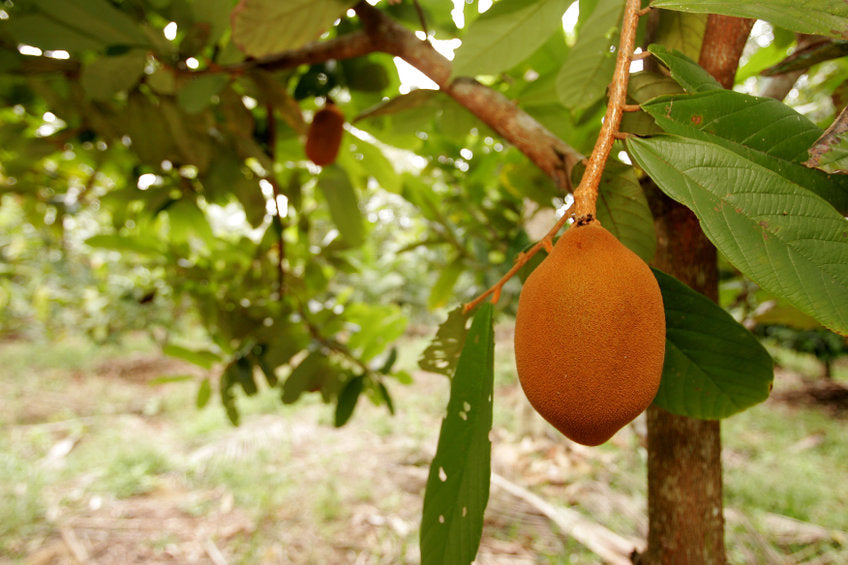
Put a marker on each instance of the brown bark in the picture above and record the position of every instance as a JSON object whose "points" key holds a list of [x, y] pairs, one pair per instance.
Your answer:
{"points": [[686, 524], [685, 507]]}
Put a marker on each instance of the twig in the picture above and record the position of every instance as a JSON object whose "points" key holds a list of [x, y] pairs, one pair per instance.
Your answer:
{"points": [[605, 543], [586, 193], [422, 19]]}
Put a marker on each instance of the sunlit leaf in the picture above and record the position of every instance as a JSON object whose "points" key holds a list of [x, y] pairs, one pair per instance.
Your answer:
{"points": [[200, 357], [204, 393], [682, 32], [458, 483], [262, 27], [442, 290], [588, 67], [817, 17], [714, 367], [507, 34], [76, 25]]}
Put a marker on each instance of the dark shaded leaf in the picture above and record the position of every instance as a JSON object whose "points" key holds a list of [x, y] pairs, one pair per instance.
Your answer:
{"points": [[714, 367], [347, 399]]}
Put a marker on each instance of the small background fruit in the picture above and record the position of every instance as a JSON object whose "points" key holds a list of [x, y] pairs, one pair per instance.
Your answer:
{"points": [[325, 135]]}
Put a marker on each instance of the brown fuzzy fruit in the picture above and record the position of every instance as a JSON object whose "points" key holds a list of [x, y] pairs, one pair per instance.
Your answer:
{"points": [[325, 135], [590, 335]]}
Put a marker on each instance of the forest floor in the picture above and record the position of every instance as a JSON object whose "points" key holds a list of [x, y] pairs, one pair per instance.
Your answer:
{"points": [[100, 464]]}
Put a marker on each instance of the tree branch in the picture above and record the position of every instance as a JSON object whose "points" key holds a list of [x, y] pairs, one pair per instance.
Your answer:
{"points": [[552, 155]]}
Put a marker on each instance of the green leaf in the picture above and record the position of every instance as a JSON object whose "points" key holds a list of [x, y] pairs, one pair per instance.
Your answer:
{"points": [[458, 484], [681, 32], [386, 397], [262, 27], [204, 393], [147, 246], [378, 325], [413, 100], [443, 352], [167, 379], [196, 95], [344, 204], [714, 367], [442, 291], [347, 400], [200, 357], [506, 34], [77, 25], [783, 237], [817, 17], [588, 67], [104, 77], [689, 74], [240, 370], [307, 376], [228, 397], [764, 130]]}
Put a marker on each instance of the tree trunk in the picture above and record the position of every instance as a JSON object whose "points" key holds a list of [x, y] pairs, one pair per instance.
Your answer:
{"points": [[685, 507]]}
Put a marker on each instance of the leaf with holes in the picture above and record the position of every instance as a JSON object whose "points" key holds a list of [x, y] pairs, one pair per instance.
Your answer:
{"points": [[783, 237], [443, 352], [714, 367], [458, 484]]}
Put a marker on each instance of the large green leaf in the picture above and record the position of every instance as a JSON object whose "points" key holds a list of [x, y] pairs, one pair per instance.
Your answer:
{"points": [[588, 67], [681, 31], [714, 367], [785, 238], [442, 290], [458, 484], [76, 25], [818, 17], [507, 34], [343, 202], [762, 129], [262, 27], [104, 77]]}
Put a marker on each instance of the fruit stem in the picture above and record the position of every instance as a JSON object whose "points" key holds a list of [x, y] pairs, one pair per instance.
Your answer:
{"points": [[586, 193]]}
